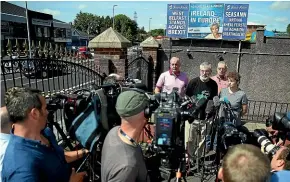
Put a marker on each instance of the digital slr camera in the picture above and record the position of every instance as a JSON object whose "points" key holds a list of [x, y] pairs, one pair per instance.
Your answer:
{"points": [[279, 121]]}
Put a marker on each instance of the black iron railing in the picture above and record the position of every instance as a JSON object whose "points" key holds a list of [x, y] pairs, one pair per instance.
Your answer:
{"points": [[259, 111]]}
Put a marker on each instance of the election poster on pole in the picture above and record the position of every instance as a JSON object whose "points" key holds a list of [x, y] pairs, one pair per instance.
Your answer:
{"points": [[207, 21], [177, 20], [235, 21]]}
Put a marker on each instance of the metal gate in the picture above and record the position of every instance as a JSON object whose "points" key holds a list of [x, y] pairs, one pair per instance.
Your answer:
{"points": [[141, 69]]}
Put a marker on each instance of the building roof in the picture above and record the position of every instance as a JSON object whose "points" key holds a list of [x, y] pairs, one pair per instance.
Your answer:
{"points": [[150, 42], [81, 33], [12, 9], [109, 39]]}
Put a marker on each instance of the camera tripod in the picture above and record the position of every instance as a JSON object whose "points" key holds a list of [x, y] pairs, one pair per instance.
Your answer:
{"points": [[51, 123], [168, 174]]}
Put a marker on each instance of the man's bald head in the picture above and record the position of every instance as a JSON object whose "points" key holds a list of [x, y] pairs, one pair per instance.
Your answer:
{"points": [[175, 64], [5, 121]]}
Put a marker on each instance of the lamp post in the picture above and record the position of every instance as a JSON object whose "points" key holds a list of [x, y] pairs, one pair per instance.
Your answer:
{"points": [[28, 30], [114, 15], [88, 31], [149, 23]]}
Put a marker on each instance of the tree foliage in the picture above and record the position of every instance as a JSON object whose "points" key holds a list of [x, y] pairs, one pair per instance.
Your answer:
{"points": [[157, 32], [87, 22], [288, 29], [127, 27], [97, 24]]}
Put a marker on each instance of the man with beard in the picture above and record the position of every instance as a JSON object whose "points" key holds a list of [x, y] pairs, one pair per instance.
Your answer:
{"points": [[200, 87], [122, 158]]}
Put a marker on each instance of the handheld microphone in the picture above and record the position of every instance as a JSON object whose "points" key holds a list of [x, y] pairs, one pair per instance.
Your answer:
{"points": [[200, 103], [209, 109], [225, 100], [216, 101]]}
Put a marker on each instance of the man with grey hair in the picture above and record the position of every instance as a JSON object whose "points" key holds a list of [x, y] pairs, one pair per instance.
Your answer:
{"points": [[173, 78], [4, 134], [199, 87], [220, 78]]}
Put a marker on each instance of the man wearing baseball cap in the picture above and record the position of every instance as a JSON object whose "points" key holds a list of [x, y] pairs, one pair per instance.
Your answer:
{"points": [[122, 158]]}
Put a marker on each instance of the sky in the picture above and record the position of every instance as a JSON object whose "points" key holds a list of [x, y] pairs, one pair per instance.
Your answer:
{"points": [[276, 15]]}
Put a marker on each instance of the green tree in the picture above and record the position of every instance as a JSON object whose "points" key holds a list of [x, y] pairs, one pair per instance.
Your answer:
{"points": [[142, 34], [157, 32], [87, 22], [127, 27], [288, 29]]}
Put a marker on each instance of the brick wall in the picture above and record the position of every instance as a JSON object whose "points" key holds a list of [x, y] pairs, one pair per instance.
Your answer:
{"points": [[111, 60]]}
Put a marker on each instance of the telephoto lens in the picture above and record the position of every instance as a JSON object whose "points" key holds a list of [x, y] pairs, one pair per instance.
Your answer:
{"points": [[266, 145]]}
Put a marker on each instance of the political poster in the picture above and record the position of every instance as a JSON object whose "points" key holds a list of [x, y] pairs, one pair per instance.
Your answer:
{"points": [[206, 20], [177, 20], [235, 21]]}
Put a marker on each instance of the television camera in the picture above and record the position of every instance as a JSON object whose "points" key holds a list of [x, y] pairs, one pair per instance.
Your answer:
{"points": [[165, 155]]}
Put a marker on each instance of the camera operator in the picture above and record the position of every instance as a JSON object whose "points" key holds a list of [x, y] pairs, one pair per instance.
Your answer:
{"points": [[197, 87], [245, 162], [4, 134], [280, 165], [33, 154], [122, 158], [172, 78], [281, 159]]}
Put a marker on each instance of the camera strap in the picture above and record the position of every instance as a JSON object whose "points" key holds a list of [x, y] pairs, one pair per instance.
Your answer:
{"points": [[129, 138]]}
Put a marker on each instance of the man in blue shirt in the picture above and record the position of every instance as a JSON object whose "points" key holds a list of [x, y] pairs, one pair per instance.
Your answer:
{"points": [[280, 165], [4, 134], [33, 154]]}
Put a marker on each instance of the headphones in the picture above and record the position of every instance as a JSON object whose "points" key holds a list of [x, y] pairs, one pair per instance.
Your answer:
{"points": [[147, 110]]}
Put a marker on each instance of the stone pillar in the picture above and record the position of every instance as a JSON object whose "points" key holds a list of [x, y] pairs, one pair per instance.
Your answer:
{"points": [[151, 53], [260, 38], [111, 60]]}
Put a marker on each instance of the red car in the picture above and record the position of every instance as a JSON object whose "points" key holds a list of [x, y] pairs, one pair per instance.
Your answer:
{"points": [[84, 53]]}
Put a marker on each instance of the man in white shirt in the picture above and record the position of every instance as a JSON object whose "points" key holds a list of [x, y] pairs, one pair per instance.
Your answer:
{"points": [[4, 134]]}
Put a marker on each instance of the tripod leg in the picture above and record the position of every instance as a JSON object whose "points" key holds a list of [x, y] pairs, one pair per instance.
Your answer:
{"points": [[184, 179], [64, 137]]}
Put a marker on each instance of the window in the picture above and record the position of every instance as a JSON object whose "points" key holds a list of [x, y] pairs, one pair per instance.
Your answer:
{"points": [[59, 32]]}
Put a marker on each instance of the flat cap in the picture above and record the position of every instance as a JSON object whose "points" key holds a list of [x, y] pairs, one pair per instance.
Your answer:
{"points": [[130, 103]]}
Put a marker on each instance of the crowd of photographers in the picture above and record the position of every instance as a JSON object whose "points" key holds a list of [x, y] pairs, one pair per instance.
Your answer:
{"points": [[29, 150]]}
